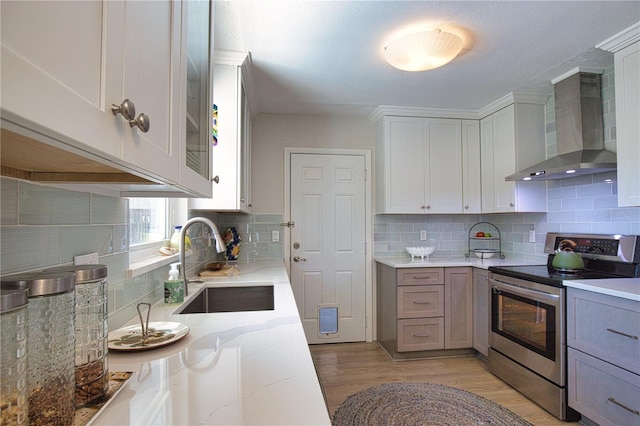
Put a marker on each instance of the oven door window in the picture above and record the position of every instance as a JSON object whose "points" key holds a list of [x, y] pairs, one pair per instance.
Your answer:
{"points": [[524, 321]]}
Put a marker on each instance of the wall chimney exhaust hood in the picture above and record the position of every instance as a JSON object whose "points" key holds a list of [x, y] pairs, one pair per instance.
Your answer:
{"points": [[579, 131]]}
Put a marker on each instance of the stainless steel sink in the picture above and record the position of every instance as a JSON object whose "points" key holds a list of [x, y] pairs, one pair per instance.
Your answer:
{"points": [[230, 299]]}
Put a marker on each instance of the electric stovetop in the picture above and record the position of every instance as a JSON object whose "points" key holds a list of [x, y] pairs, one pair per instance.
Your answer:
{"points": [[547, 274]]}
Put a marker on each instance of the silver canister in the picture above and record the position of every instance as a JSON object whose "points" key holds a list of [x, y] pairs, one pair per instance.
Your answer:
{"points": [[91, 364], [14, 402], [50, 345]]}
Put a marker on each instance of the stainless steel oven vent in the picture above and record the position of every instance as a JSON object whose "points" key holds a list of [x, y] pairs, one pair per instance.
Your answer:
{"points": [[579, 131]]}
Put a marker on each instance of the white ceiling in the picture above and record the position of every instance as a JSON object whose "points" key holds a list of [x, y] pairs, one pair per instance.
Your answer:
{"points": [[326, 56]]}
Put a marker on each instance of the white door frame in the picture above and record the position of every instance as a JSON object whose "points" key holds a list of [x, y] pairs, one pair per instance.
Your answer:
{"points": [[368, 219]]}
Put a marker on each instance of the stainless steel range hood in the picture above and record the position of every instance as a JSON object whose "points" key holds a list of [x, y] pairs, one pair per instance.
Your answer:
{"points": [[579, 132]]}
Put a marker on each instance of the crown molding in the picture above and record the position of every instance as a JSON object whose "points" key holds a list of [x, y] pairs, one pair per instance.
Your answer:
{"points": [[621, 40], [508, 99], [229, 57], [389, 110]]}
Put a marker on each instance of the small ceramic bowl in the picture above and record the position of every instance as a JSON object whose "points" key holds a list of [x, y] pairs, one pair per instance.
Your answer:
{"points": [[420, 252], [485, 253]]}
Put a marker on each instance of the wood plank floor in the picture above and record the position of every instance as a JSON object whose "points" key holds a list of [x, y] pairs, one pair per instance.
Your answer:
{"points": [[346, 368]]}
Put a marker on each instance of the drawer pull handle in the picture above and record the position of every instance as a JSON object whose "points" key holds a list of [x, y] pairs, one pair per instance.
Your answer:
{"points": [[631, 410], [423, 277], [420, 303], [622, 334], [421, 335]]}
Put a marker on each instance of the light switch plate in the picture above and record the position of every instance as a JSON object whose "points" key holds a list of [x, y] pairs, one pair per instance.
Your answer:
{"points": [[423, 235], [275, 236], [532, 236]]}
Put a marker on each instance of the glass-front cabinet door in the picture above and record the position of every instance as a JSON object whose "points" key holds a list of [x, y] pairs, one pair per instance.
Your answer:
{"points": [[197, 97]]}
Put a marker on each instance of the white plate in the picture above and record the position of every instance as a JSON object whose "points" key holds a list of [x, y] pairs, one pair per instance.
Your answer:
{"points": [[162, 333]]}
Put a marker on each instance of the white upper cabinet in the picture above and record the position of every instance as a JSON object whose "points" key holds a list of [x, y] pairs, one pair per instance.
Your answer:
{"points": [[512, 139], [152, 80], [231, 156], [626, 49], [65, 64], [471, 187], [419, 165], [196, 95], [62, 68], [627, 82]]}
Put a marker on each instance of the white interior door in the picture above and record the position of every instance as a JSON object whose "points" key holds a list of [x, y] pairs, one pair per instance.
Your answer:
{"points": [[328, 208]]}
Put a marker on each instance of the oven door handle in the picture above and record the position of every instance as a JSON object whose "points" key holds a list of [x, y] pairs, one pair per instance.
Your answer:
{"points": [[497, 286]]}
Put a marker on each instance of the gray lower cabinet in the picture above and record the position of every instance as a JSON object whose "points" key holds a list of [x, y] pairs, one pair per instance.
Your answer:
{"points": [[424, 311], [481, 311], [603, 357]]}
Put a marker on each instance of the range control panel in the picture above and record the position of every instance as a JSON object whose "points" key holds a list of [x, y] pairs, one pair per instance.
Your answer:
{"points": [[621, 248]]}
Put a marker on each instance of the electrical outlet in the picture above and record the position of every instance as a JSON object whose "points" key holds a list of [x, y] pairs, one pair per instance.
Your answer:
{"points": [[275, 236], [532, 236], [423, 235], [86, 259]]}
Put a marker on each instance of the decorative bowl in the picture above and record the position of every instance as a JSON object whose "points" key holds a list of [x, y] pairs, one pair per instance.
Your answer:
{"points": [[485, 253], [420, 252]]}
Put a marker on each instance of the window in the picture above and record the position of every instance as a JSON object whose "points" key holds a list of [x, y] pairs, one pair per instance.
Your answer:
{"points": [[149, 220]]}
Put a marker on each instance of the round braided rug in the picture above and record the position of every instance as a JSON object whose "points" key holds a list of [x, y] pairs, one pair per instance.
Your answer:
{"points": [[422, 404]]}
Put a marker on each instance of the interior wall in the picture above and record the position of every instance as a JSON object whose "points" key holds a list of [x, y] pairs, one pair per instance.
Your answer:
{"points": [[272, 133]]}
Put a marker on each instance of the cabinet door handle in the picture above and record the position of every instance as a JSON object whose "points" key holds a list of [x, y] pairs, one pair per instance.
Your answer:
{"points": [[631, 410], [142, 122], [126, 108], [421, 335], [622, 334]]}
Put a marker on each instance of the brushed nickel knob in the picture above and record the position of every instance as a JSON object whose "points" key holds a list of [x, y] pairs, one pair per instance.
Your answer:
{"points": [[126, 108], [142, 122], [299, 259], [216, 179]]}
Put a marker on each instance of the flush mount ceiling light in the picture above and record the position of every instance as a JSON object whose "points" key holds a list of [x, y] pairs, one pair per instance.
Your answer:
{"points": [[423, 50]]}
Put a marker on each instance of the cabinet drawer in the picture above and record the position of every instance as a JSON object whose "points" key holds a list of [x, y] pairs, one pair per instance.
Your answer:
{"points": [[422, 334], [421, 301], [420, 276], [602, 392], [606, 327]]}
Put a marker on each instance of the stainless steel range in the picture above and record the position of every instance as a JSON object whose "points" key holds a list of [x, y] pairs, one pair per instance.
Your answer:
{"points": [[528, 313]]}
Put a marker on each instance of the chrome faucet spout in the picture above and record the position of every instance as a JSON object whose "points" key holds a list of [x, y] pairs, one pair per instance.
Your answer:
{"points": [[220, 245]]}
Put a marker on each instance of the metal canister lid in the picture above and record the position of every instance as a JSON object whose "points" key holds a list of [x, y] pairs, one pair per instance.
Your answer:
{"points": [[84, 273], [11, 299], [40, 283]]}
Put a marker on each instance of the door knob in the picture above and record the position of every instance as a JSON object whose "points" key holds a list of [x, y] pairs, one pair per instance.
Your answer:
{"points": [[299, 259], [142, 122], [126, 108]]}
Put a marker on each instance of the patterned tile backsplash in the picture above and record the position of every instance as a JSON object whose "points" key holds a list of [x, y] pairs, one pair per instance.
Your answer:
{"points": [[43, 226]]}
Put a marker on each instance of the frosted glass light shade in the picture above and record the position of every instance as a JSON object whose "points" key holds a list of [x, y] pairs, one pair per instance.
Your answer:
{"points": [[423, 50]]}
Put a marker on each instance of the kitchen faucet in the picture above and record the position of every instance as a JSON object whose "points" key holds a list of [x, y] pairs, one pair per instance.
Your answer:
{"points": [[220, 245]]}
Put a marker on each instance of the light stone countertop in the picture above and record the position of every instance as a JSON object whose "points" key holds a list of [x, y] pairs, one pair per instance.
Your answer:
{"points": [[627, 288], [444, 262], [249, 368]]}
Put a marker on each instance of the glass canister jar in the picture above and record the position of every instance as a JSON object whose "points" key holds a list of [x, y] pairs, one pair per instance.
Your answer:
{"points": [[91, 364], [50, 345], [14, 404]]}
